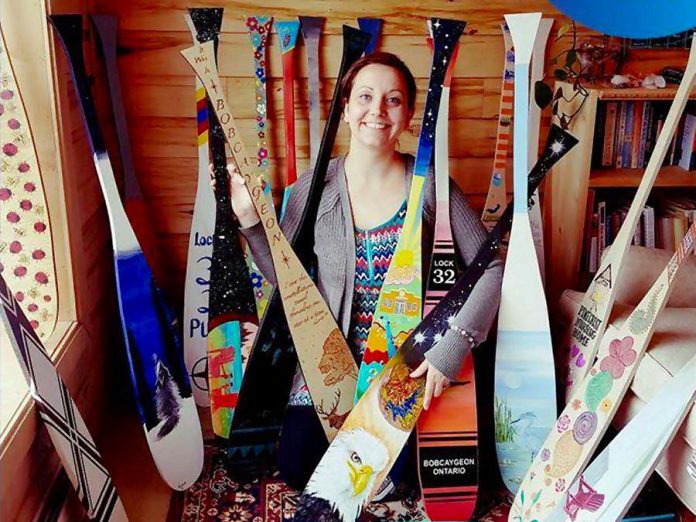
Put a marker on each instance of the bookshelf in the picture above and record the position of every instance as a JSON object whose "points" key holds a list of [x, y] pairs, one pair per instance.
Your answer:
{"points": [[672, 177], [565, 197]]}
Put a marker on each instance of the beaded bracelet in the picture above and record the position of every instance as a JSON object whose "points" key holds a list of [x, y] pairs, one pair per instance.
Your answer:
{"points": [[461, 331]]}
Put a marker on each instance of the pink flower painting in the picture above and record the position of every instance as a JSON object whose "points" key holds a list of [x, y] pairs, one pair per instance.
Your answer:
{"points": [[621, 355]]}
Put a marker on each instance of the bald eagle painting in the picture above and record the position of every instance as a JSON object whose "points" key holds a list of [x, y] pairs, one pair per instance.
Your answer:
{"points": [[340, 487]]}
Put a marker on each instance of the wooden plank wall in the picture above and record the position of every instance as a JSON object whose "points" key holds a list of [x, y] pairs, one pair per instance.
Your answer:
{"points": [[158, 89]]}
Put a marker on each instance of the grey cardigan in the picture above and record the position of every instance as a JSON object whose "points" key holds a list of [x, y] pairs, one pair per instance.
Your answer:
{"points": [[335, 252]]}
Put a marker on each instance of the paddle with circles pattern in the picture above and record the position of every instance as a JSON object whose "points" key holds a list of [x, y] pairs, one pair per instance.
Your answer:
{"points": [[610, 484], [26, 247], [592, 317], [580, 427]]}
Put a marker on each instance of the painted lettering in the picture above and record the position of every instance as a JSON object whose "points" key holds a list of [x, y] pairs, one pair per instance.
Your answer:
{"points": [[197, 328], [199, 240]]}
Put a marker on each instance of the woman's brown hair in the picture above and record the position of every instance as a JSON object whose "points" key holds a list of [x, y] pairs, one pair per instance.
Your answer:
{"points": [[388, 59]]}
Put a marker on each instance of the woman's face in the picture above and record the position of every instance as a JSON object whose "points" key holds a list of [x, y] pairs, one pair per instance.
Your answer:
{"points": [[377, 111]]}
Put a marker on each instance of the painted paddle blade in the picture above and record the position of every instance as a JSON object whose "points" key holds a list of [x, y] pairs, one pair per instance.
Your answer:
{"points": [[608, 487], [448, 456], [288, 30], [151, 333], [260, 409], [26, 249], [78, 453], [311, 27], [449, 489], [232, 319], [399, 305], [259, 28], [525, 389], [374, 433], [577, 432], [592, 317], [496, 200], [199, 259], [533, 136], [443, 263], [372, 26], [327, 363], [134, 203]]}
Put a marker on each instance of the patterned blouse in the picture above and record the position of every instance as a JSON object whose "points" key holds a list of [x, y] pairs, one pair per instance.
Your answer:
{"points": [[374, 249]]}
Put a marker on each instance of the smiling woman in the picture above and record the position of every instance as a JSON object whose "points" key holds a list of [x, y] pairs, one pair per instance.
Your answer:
{"points": [[364, 208]]}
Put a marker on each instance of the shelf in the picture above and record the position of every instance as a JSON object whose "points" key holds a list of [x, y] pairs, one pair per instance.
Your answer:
{"points": [[608, 92], [672, 176]]}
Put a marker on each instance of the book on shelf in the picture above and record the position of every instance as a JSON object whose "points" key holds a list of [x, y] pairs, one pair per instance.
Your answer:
{"points": [[626, 132], [608, 141], [648, 221], [687, 156], [602, 228]]}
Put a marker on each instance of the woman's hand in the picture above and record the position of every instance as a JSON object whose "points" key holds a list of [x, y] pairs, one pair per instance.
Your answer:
{"points": [[435, 381], [242, 205]]}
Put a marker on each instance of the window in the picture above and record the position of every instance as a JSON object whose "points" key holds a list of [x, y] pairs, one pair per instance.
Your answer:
{"points": [[31, 204]]}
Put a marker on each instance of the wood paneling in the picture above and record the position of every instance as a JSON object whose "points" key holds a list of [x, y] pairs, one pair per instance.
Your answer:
{"points": [[158, 89], [482, 18]]}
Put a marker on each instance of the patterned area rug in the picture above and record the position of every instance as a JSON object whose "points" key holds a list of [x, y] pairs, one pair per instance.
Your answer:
{"points": [[218, 498]]}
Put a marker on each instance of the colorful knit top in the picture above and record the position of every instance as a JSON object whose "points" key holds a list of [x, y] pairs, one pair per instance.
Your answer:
{"points": [[374, 249]]}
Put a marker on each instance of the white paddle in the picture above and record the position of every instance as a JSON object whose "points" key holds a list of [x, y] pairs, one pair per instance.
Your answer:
{"points": [[524, 374]]}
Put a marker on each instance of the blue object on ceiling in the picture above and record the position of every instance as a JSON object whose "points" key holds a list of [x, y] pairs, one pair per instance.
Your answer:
{"points": [[632, 18]]}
